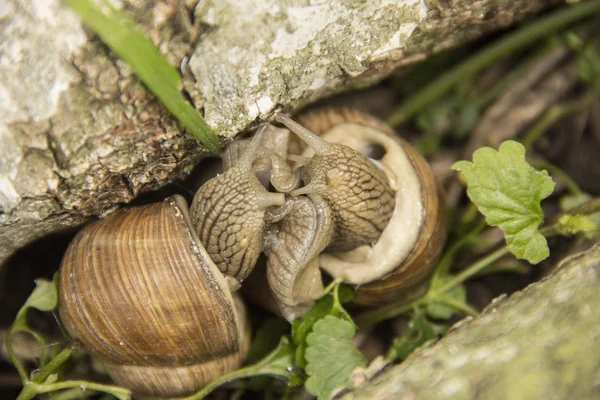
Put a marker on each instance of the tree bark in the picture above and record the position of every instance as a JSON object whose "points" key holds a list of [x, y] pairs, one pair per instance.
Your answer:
{"points": [[80, 135], [540, 343]]}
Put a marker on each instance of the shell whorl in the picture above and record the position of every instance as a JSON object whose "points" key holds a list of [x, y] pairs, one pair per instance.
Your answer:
{"points": [[132, 285]]}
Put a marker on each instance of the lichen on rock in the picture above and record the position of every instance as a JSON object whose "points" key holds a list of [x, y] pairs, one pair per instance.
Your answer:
{"points": [[261, 56]]}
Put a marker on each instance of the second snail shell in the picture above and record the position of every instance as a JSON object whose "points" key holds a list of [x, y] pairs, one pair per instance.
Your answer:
{"points": [[408, 277]]}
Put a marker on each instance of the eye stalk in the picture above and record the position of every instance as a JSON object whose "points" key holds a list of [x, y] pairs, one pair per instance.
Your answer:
{"points": [[388, 217], [357, 190]]}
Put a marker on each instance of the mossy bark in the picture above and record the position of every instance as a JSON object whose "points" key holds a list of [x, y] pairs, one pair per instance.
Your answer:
{"points": [[540, 343], [80, 135]]}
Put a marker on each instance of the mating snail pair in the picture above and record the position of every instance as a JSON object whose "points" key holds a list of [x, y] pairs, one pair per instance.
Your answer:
{"points": [[150, 290]]}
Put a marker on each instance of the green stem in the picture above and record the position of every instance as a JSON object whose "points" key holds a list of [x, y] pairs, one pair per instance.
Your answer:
{"points": [[53, 365], [336, 282], [337, 305], [246, 372], [472, 270], [13, 356], [503, 47], [446, 261], [387, 311], [121, 34], [39, 388], [260, 368], [458, 305], [554, 114], [28, 392]]}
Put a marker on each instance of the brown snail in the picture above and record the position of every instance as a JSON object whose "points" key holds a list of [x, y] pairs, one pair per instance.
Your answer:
{"points": [[150, 290], [140, 291], [396, 263]]}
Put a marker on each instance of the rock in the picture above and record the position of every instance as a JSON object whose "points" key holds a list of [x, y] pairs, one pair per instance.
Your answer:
{"points": [[540, 343], [81, 136]]}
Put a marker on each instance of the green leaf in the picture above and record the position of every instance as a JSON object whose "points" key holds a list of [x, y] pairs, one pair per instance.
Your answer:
{"points": [[507, 266], [420, 331], [267, 338], [331, 356], [441, 310], [508, 191], [302, 327], [52, 378], [131, 44], [572, 224], [329, 304], [44, 297]]}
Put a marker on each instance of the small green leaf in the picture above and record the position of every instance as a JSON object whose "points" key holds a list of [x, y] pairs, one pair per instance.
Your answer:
{"points": [[440, 310], [44, 297], [329, 304], [331, 356], [573, 224], [52, 378], [420, 331], [303, 326], [508, 191], [266, 338]]}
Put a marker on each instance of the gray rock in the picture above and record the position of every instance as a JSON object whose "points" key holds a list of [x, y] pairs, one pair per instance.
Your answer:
{"points": [[80, 136], [540, 343]]}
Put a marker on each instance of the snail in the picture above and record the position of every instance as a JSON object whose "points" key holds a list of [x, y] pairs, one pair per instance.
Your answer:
{"points": [[151, 290], [409, 222], [142, 291]]}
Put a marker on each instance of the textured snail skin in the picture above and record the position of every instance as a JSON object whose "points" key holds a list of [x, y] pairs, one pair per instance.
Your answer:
{"points": [[292, 248], [358, 191], [410, 277], [139, 291], [228, 214]]}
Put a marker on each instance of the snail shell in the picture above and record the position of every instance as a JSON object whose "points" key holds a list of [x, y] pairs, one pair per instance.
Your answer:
{"points": [[393, 265], [141, 293], [399, 264]]}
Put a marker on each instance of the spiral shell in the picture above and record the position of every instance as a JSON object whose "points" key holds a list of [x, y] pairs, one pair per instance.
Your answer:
{"points": [[140, 292]]}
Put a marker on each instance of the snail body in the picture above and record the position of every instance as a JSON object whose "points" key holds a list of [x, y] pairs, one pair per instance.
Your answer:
{"points": [[228, 213], [417, 231], [150, 290], [140, 291], [397, 262]]}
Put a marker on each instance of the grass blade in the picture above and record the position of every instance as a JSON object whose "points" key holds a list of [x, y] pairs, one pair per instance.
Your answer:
{"points": [[124, 38]]}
